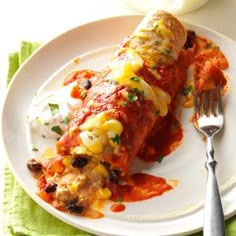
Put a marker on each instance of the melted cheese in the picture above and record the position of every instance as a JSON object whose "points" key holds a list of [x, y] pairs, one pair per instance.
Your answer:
{"points": [[124, 70], [99, 131]]}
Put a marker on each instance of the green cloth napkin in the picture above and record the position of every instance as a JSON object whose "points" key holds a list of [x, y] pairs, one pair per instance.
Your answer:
{"points": [[21, 215]]}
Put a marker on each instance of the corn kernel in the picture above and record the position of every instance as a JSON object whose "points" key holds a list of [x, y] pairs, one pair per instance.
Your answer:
{"points": [[92, 142], [66, 161], [72, 187], [103, 193], [113, 126], [101, 169]]}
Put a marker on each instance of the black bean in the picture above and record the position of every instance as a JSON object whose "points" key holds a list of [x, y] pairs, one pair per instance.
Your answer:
{"points": [[34, 165], [191, 35], [73, 207], [114, 176], [80, 161], [86, 84], [50, 188]]}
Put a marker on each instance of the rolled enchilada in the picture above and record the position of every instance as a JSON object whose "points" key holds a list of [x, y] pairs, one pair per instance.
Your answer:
{"points": [[130, 95], [123, 104]]}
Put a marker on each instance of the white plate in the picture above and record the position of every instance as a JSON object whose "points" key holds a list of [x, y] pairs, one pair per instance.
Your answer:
{"points": [[176, 212]]}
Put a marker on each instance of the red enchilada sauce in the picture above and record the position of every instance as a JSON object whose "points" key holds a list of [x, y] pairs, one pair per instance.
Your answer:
{"points": [[207, 62]]}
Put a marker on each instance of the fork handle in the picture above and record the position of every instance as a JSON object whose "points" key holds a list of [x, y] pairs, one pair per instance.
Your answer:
{"points": [[214, 224]]}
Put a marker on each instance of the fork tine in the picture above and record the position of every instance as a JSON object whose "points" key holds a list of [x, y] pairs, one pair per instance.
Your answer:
{"points": [[219, 100], [211, 104], [204, 106], [196, 107]]}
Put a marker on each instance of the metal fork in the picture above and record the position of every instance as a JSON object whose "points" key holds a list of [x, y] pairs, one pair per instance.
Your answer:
{"points": [[209, 120]]}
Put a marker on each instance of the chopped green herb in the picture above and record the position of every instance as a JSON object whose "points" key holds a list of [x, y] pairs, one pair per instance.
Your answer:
{"points": [[54, 108], [154, 67], [135, 78], [139, 92], [186, 90], [160, 159], [66, 121], [57, 129], [119, 199], [90, 137], [157, 112], [39, 120], [34, 149], [116, 139], [217, 48], [167, 51], [156, 42], [43, 136], [124, 104], [155, 26], [132, 97], [208, 45], [46, 123]]}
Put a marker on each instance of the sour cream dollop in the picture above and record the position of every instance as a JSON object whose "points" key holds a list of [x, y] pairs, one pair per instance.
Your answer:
{"points": [[49, 115]]}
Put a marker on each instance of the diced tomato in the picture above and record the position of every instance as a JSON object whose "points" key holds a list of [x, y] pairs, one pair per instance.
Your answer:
{"points": [[54, 165], [45, 196], [78, 92]]}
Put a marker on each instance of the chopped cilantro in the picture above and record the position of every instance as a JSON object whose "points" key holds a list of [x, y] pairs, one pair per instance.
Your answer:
{"points": [[135, 78], [39, 120], [160, 159], [186, 90], [167, 51], [155, 26], [208, 45], [132, 97], [124, 104], [57, 129], [156, 42], [90, 137], [46, 123], [43, 136], [34, 149], [139, 92], [54, 108], [66, 120], [154, 67], [115, 139]]}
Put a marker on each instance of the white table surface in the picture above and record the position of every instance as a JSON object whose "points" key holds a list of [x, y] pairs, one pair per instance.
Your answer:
{"points": [[42, 20]]}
